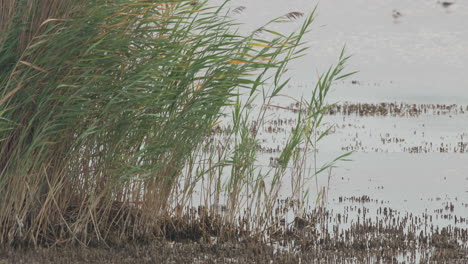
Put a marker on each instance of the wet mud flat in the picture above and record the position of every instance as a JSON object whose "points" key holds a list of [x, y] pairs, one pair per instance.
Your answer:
{"points": [[156, 252], [191, 253], [385, 127], [389, 128], [363, 234], [411, 156]]}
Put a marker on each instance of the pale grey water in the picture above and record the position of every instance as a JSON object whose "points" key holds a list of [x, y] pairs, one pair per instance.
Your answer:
{"points": [[421, 57]]}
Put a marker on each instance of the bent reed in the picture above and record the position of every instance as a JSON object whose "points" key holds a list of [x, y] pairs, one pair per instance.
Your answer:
{"points": [[106, 109]]}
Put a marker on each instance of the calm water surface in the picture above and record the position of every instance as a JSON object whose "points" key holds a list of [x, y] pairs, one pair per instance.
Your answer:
{"points": [[418, 58]]}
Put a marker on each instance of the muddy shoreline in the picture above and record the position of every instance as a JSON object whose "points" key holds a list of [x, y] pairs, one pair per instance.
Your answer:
{"points": [[320, 236]]}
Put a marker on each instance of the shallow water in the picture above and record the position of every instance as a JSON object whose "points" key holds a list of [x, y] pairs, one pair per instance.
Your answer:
{"points": [[420, 57], [412, 163]]}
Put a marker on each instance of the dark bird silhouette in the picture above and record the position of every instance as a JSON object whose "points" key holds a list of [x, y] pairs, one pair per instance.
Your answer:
{"points": [[446, 4]]}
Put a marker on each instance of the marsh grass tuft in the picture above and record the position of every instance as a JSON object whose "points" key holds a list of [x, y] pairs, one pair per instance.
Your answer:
{"points": [[107, 112]]}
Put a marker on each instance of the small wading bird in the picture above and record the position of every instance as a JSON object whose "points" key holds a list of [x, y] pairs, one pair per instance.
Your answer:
{"points": [[446, 4], [396, 14], [274, 162]]}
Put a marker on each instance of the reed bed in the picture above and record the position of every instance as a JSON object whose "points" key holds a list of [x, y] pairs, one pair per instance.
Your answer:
{"points": [[106, 108]]}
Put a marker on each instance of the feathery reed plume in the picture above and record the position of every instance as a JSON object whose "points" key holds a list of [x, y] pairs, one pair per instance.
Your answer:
{"points": [[238, 9], [294, 15]]}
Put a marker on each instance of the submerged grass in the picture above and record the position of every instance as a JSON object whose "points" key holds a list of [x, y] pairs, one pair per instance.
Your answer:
{"points": [[107, 111]]}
